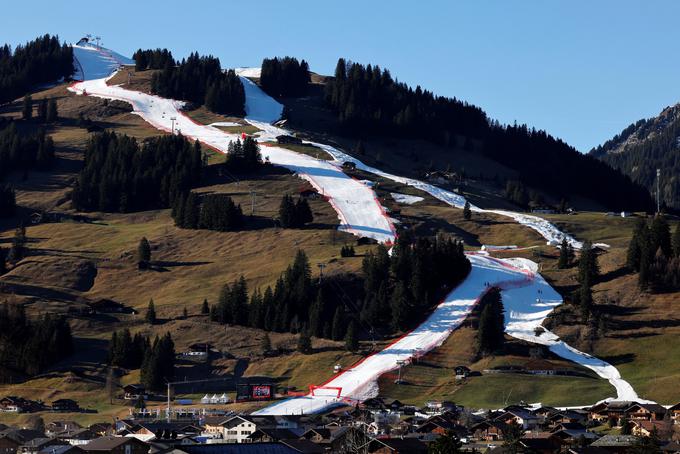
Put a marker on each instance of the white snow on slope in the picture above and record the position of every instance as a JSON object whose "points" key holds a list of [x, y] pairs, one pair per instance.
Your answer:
{"points": [[224, 123], [262, 110], [521, 287], [254, 72], [94, 62], [358, 209], [406, 199], [523, 316]]}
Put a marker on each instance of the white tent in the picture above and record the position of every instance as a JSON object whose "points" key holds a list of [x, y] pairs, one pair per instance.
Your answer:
{"points": [[224, 398]]}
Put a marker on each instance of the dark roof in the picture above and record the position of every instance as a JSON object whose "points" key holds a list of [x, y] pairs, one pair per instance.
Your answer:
{"points": [[61, 449], [615, 441], [304, 446], [239, 448], [21, 436], [276, 434], [108, 443], [410, 445], [653, 408]]}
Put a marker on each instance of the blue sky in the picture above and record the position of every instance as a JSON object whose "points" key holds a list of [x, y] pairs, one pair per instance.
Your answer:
{"points": [[582, 70]]}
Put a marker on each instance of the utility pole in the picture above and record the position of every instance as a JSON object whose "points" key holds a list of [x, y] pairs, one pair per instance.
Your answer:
{"points": [[400, 363], [252, 202], [321, 267], [173, 124], [168, 409], [658, 192]]}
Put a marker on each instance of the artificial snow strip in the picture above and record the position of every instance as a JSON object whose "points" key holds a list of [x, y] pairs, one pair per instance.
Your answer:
{"points": [[359, 211], [528, 299], [406, 199]]}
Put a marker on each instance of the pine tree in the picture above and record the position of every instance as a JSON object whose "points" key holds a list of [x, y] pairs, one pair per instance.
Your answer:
{"points": [[185, 313], [41, 114], [266, 344], [150, 316], [399, 305], [338, 325], [467, 213], [303, 214], [566, 255], [640, 234], [316, 314], [304, 342], [143, 253], [27, 109], [660, 235], [676, 241], [351, 341], [205, 309], [287, 213], [588, 269], [490, 332], [52, 112]]}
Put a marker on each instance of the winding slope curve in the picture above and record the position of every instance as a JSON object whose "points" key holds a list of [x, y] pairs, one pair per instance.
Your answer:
{"points": [[527, 297]]}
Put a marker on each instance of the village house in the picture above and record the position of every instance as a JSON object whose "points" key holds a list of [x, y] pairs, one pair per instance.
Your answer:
{"points": [[38, 444], [332, 438], [396, 446], [77, 437], [62, 449], [461, 372], [116, 445], [675, 413], [237, 429], [11, 439], [65, 406], [488, 430], [270, 435], [541, 442], [288, 139], [132, 392], [520, 416], [616, 444], [646, 412], [55, 427], [15, 404], [644, 428]]}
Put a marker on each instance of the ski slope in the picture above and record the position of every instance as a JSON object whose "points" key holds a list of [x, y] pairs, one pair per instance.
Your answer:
{"points": [[262, 110], [358, 209], [94, 62], [527, 297]]}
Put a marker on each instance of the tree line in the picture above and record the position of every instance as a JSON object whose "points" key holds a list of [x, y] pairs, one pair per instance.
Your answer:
{"points": [[39, 61], [211, 212], [392, 294], [284, 77], [491, 325], [243, 157], [120, 176], [367, 101], [655, 255], [648, 146], [153, 59], [29, 346], [24, 151], [401, 287], [155, 359], [200, 79]]}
